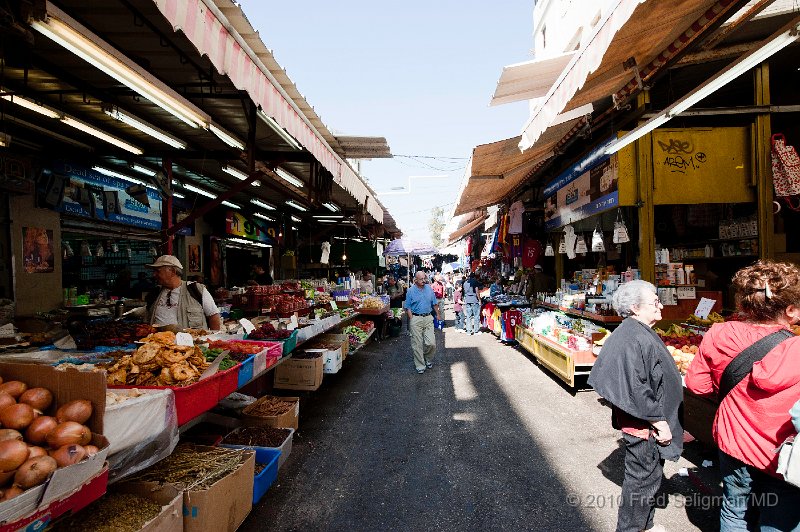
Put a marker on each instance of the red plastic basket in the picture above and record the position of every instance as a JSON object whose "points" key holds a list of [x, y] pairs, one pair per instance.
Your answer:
{"points": [[229, 381]]}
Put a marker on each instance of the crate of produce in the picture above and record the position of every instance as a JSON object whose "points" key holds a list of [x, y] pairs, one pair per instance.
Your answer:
{"points": [[228, 381], [271, 411], [254, 356], [246, 371], [262, 438], [268, 458]]}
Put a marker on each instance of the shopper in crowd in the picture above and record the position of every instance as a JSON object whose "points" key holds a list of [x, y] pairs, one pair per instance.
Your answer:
{"points": [[186, 305], [365, 285], [753, 417], [636, 374], [458, 298], [497, 287], [542, 282], [395, 293], [449, 286], [438, 289], [420, 304], [259, 276], [472, 304]]}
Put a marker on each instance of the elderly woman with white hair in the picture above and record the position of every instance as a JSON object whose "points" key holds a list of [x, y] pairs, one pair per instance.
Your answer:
{"points": [[636, 374]]}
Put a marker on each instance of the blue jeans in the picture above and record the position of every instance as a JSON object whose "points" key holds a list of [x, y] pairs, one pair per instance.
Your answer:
{"points": [[472, 312], [752, 498], [460, 319]]}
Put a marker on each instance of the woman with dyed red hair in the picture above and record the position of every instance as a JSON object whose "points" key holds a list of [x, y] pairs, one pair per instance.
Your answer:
{"points": [[753, 416]]}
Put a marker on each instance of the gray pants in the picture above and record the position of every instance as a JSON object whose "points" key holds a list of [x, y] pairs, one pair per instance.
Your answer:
{"points": [[643, 470], [472, 313], [423, 341]]}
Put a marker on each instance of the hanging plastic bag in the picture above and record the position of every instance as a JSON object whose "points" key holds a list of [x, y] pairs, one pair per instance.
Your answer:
{"points": [[548, 251], [597, 240], [580, 245], [562, 245], [620, 230]]}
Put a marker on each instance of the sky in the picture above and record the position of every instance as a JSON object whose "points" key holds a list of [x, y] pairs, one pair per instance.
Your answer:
{"points": [[419, 73]]}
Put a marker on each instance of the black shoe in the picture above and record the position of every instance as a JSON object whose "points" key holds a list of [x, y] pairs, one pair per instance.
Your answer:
{"points": [[429, 365]]}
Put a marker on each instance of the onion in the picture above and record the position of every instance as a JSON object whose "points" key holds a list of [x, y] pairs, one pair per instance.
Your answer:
{"points": [[38, 398], [79, 411], [34, 472], [13, 388], [10, 493], [39, 429], [10, 434], [68, 455], [91, 450], [6, 400], [35, 450], [5, 477], [17, 416], [13, 454], [68, 433]]}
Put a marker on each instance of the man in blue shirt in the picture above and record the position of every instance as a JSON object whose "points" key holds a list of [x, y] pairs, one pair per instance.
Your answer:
{"points": [[472, 304], [420, 302]]}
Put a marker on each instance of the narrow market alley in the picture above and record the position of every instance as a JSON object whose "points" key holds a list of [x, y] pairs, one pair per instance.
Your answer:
{"points": [[485, 440]]}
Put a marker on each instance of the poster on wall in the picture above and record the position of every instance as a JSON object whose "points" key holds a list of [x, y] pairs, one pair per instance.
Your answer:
{"points": [[592, 192], [37, 250], [215, 263], [194, 259], [237, 225]]}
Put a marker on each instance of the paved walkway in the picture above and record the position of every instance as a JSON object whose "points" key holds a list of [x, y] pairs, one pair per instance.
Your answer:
{"points": [[485, 440]]}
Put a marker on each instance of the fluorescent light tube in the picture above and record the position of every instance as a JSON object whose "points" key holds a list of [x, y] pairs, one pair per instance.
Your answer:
{"points": [[292, 203], [263, 216], [295, 218], [29, 104], [197, 190], [327, 221], [65, 31], [229, 204], [289, 178], [144, 127], [235, 172], [262, 204], [225, 137], [294, 228], [329, 216], [249, 242], [178, 195], [331, 206], [143, 169], [114, 173], [102, 135], [279, 130]]}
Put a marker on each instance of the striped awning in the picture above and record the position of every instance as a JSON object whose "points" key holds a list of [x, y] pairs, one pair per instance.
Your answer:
{"points": [[218, 37], [465, 230]]}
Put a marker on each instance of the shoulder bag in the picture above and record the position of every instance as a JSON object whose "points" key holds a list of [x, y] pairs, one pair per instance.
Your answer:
{"points": [[741, 366]]}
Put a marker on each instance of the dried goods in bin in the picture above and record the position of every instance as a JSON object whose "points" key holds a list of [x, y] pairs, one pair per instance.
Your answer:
{"points": [[271, 406], [191, 468], [257, 436], [157, 364], [110, 333], [118, 512]]}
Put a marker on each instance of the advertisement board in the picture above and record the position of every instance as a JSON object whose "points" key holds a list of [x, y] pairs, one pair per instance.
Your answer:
{"points": [[592, 192], [238, 225]]}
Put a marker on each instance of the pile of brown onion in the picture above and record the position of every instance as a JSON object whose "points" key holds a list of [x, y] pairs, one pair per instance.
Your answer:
{"points": [[33, 445]]}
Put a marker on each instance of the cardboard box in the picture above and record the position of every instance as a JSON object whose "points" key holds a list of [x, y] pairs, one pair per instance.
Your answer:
{"points": [[299, 374], [65, 386], [337, 338], [287, 420], [223, 506], [169, 497], [332, 361]]}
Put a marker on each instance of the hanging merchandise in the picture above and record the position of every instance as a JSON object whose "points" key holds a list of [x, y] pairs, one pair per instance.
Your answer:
{"points": [[114, 247], [99, 251], [326, 253], [85, 251], [580, 245], [620, 230], [548, 251], [597, 240], [68, 253], [785, 170], [570, 239], [562, 245]]}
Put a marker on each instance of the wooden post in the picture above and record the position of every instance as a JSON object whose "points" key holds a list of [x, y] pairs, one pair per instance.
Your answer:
{"points": [[646, 181], [763, 166]]}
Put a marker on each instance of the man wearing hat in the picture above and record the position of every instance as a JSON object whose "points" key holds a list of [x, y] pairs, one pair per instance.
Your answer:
{"points": [[187, 305]]}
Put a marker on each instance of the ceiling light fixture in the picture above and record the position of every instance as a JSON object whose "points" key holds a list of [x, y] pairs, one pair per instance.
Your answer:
{"points": [[178, 195], [289, 178], [118, 175], [294, 204], [295, 218], [249, 242], [262, 204], [279, 130], [65, 31], [229, 204], [329, 216], [29, 104], [102, 135], [198, 190], [263, 217], [143, 169], [331, 206], [235, 172], [143, 126], [226, 137]]}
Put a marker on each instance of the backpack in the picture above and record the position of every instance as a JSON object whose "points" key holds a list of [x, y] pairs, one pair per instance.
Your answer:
{"points": [[152, 296], [438, 289]]}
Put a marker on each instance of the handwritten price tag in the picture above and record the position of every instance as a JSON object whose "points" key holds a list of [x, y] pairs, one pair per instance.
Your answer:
{"points": [[704, 307], [248, 325], [184, 339]]}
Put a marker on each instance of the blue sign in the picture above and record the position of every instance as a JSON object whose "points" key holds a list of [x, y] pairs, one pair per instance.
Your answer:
{"points": [[595, 157], [595, 207]]}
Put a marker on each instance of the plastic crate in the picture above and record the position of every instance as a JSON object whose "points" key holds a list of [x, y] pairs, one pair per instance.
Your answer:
{"points": [[192, 400], [229, 381], [285, 448], [265, 479], [246, 371], [287, 344]]}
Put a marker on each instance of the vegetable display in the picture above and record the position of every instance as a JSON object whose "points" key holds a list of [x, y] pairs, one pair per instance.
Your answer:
{"points": [[24, 460], [266, 331]]}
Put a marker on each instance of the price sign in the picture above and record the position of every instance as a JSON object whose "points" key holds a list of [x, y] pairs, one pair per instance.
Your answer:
{"points": [[687, 292], [248, 325], [292, 323], [185, 339], [334, 306], [704, 307]]}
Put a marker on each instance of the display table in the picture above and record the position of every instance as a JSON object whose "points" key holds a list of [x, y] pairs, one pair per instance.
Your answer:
{"points": [[564, 362]]}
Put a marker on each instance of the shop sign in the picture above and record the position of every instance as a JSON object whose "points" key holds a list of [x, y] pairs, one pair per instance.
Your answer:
{"points": [[93, 195], [593, 192], [592, 159], [237, 225]]}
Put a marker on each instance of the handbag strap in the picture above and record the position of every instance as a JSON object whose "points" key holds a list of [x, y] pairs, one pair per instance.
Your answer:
{"points": [[741, 366]]}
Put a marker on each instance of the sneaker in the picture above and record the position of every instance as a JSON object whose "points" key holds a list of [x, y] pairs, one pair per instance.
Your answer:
{"points": [[429, 365], [420, 371]]}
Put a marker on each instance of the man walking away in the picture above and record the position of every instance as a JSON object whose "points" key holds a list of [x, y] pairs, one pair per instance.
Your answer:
{"points": [[458, 307], [420, 302], [472, 304]]}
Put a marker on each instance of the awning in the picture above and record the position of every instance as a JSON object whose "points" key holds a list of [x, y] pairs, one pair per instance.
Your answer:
{"points": [[354, 147], [529, 80], [228, 41], [466, 229], [498, 168], [635, 29]]}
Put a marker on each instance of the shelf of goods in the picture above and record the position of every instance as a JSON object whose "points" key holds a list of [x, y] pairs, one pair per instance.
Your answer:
{"points": [[564, 362], [582, 313]]}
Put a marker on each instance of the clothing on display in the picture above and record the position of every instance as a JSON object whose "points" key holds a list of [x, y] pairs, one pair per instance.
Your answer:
{"points": [[326, 253], [531, 252], [515, 215]]}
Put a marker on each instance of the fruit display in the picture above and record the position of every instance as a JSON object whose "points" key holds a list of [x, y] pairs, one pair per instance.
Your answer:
{"points": [[158, 362], [713, 318], [32, 444], [358, 333], [373, 303], [682, 344], [322, 298], [236, 347], [267, 331], [110, 333]]}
